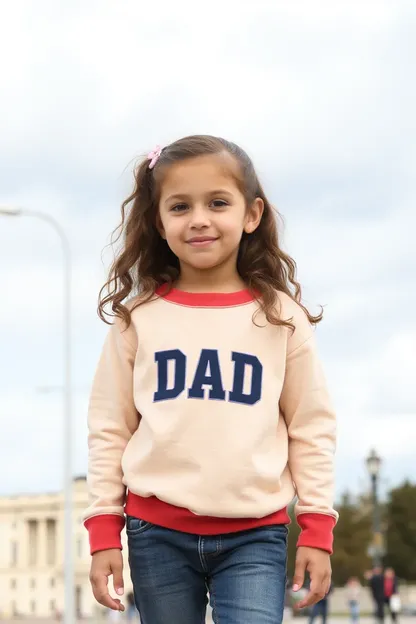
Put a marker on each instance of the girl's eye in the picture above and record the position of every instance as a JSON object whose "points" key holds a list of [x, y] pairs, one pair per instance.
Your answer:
{"points": [[179, 208], [216, 203]]}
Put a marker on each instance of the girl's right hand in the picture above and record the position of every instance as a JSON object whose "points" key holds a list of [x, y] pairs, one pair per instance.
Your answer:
{"points": [[104, 564]]}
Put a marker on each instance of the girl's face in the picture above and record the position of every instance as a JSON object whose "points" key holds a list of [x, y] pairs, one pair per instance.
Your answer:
{"points": [[203, 214]]}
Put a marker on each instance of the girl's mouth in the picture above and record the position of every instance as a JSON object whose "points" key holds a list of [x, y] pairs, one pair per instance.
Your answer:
{"points": [[201, 241]]}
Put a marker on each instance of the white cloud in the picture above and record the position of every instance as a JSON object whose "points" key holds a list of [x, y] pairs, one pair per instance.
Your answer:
{"points": [[306, 78], [307, 89], [32, 443]]}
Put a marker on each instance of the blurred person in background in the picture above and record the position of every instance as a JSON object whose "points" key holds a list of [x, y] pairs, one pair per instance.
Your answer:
{"points": [[376, 583], [320, 609], [391, 595], [354, 588]]}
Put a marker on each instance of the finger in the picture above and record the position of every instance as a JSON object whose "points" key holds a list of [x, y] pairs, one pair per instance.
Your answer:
{"points": [[316, 593], [299, 576], [310, 599], [107, 601], [118, 582], [328, 586], [100, 591]]}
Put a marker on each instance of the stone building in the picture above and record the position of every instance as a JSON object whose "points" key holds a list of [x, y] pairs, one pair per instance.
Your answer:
{"points": [[32, 555]]}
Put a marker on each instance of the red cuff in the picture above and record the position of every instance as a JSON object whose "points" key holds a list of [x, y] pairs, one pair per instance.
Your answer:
{"points": [[317, 531], [104, 531]]}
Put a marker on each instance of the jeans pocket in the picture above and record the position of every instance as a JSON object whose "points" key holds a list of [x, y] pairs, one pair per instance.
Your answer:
{"points": [[136, 525]]}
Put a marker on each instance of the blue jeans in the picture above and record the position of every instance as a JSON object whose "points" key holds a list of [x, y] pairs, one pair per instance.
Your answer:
{"points": [[354, 610], [171, 571]]}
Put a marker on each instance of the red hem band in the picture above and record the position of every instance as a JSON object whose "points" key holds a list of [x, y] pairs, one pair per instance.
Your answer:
{"points": [[104, 531], [153, 510], [205, 300], [317, 531]]}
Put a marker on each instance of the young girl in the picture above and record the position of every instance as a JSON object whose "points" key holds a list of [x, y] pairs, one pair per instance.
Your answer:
{"points": [[209, 410], [353, 595]]}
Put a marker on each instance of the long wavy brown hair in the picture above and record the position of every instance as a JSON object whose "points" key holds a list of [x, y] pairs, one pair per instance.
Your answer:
{"points": [[146, 262]]}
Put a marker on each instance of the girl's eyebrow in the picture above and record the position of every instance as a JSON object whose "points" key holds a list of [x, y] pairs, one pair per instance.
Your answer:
{"points": [[184, 196]]}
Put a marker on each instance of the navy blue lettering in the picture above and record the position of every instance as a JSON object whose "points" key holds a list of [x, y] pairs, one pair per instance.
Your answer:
{"points": [[162, 358], [208, 358], [241, 361]]}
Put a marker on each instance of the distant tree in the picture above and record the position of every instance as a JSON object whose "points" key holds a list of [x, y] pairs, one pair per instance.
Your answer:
{"points": [[401, 531], [352, 537]]}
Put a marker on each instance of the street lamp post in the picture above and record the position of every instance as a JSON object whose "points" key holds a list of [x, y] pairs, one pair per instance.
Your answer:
{"points": [[69, 613], [373, 466]]}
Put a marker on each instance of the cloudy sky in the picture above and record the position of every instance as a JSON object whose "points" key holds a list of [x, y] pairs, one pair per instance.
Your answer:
{"points": [[320, 94]]}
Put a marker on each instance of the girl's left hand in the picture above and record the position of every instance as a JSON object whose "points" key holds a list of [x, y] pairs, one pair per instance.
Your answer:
{"points": [[318, 563]]}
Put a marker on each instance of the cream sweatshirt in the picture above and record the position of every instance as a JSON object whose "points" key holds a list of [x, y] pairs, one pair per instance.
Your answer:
{"points": [[202, 421]]}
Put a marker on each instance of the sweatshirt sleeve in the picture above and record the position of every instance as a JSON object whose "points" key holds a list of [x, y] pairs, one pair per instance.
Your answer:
{"points": [[112, 420], [310, 419]]}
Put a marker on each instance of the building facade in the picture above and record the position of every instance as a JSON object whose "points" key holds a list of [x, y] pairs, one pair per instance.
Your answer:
{"points": [[32, 555]]}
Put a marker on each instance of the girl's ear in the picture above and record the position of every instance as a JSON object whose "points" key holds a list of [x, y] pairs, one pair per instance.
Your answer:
{"points": [[254, 215]]}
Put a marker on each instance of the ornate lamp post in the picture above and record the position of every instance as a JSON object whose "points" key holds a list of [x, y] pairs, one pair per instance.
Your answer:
{"points": [[15, 211], [373, 466]]}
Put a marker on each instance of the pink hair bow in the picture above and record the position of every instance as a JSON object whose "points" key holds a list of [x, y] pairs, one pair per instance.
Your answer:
{"points": [[153, 156]]}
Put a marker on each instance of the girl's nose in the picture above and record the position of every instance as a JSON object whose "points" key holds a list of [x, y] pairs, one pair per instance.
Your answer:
{"points": [[200, 218]]}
